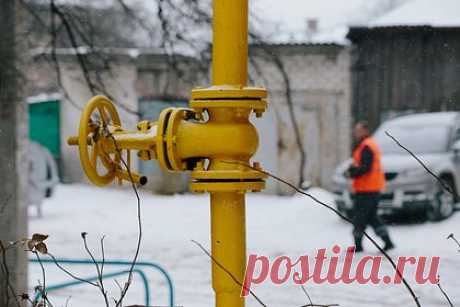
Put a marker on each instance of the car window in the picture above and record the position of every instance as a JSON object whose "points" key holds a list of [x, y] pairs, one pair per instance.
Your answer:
{"points": [[417, 138]]}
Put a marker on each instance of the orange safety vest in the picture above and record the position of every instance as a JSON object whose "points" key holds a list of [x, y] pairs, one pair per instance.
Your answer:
{"points": [[374, 180]]}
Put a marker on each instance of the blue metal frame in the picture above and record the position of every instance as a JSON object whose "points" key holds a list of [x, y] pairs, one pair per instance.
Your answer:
{"points": [[63, 285], [141, 273]]}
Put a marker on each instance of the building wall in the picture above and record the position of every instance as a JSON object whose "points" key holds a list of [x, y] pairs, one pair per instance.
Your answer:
{"points": [[399, 69], [158, 78], [320, 85]]}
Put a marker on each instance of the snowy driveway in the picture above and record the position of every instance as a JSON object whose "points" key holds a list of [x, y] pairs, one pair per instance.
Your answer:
{"points": [[292, 226]]}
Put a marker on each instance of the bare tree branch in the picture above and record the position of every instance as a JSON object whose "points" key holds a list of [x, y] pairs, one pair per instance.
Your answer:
{"points": [[452, 237], [446, 296], [443, 184], [98, 270], [70, 273], [42, 288], [311, 304], [7, 278], [139, 219]]}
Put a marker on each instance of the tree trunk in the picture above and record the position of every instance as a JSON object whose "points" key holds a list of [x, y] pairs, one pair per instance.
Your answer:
{"points": [[13, 165]]}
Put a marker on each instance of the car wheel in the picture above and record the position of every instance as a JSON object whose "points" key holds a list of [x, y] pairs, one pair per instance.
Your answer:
{"points": [[443, 205]]}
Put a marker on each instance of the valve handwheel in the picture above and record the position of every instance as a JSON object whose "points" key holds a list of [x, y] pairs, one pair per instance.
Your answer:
{"points": [[98, 121]]}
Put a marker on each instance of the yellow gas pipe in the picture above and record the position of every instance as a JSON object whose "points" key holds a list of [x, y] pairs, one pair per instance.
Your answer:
{"points": [[182, 141], [228, 208]]}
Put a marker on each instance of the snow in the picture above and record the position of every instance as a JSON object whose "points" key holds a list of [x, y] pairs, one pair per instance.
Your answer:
{"points": [[43, 97], [291, 226], [336, 35], [442, 13]]}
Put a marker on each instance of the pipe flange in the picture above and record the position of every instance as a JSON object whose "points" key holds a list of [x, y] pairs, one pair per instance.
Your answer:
{"points": [[163, 160], [168, 123], [231, 186], [253, 98], [225, 92], [243, 179], [175, 119], [237, 175]]}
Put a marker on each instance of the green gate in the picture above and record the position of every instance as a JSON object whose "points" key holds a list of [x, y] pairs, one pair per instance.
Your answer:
{"points": [[44, 125]]}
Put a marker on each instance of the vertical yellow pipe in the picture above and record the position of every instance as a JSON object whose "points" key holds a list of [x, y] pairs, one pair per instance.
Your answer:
{"points": [[228, 228], [230, 42], [228, 237]]}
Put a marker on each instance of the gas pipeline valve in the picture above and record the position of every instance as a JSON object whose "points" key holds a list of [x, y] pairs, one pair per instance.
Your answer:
{"points": [[105, 146], [209, 139]]}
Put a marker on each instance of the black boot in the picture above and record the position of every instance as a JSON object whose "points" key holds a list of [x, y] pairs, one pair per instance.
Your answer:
{"points": [[358, 245], [388, 243]]}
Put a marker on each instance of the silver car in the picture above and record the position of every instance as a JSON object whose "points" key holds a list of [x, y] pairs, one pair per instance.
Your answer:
{"points": [[435, 139]]}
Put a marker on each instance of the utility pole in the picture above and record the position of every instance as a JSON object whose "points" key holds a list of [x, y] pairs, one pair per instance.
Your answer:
{"points": [[13, 165]]}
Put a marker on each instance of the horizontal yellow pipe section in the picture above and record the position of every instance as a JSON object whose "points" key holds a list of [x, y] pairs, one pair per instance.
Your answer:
{"points": [[123, 140], [132, 140]]}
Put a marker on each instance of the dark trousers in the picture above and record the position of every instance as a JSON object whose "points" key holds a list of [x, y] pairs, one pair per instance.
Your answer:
{"points": [[365, 213]]}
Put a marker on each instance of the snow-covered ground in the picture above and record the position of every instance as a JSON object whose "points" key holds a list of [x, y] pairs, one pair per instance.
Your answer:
{"points": [[291, 226]]}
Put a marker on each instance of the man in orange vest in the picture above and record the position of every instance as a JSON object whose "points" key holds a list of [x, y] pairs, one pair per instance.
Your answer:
{"points": [[368, 182]]}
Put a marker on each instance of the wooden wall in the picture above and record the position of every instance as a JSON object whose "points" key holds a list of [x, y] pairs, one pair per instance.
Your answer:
{"points": [[399, 69]]}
